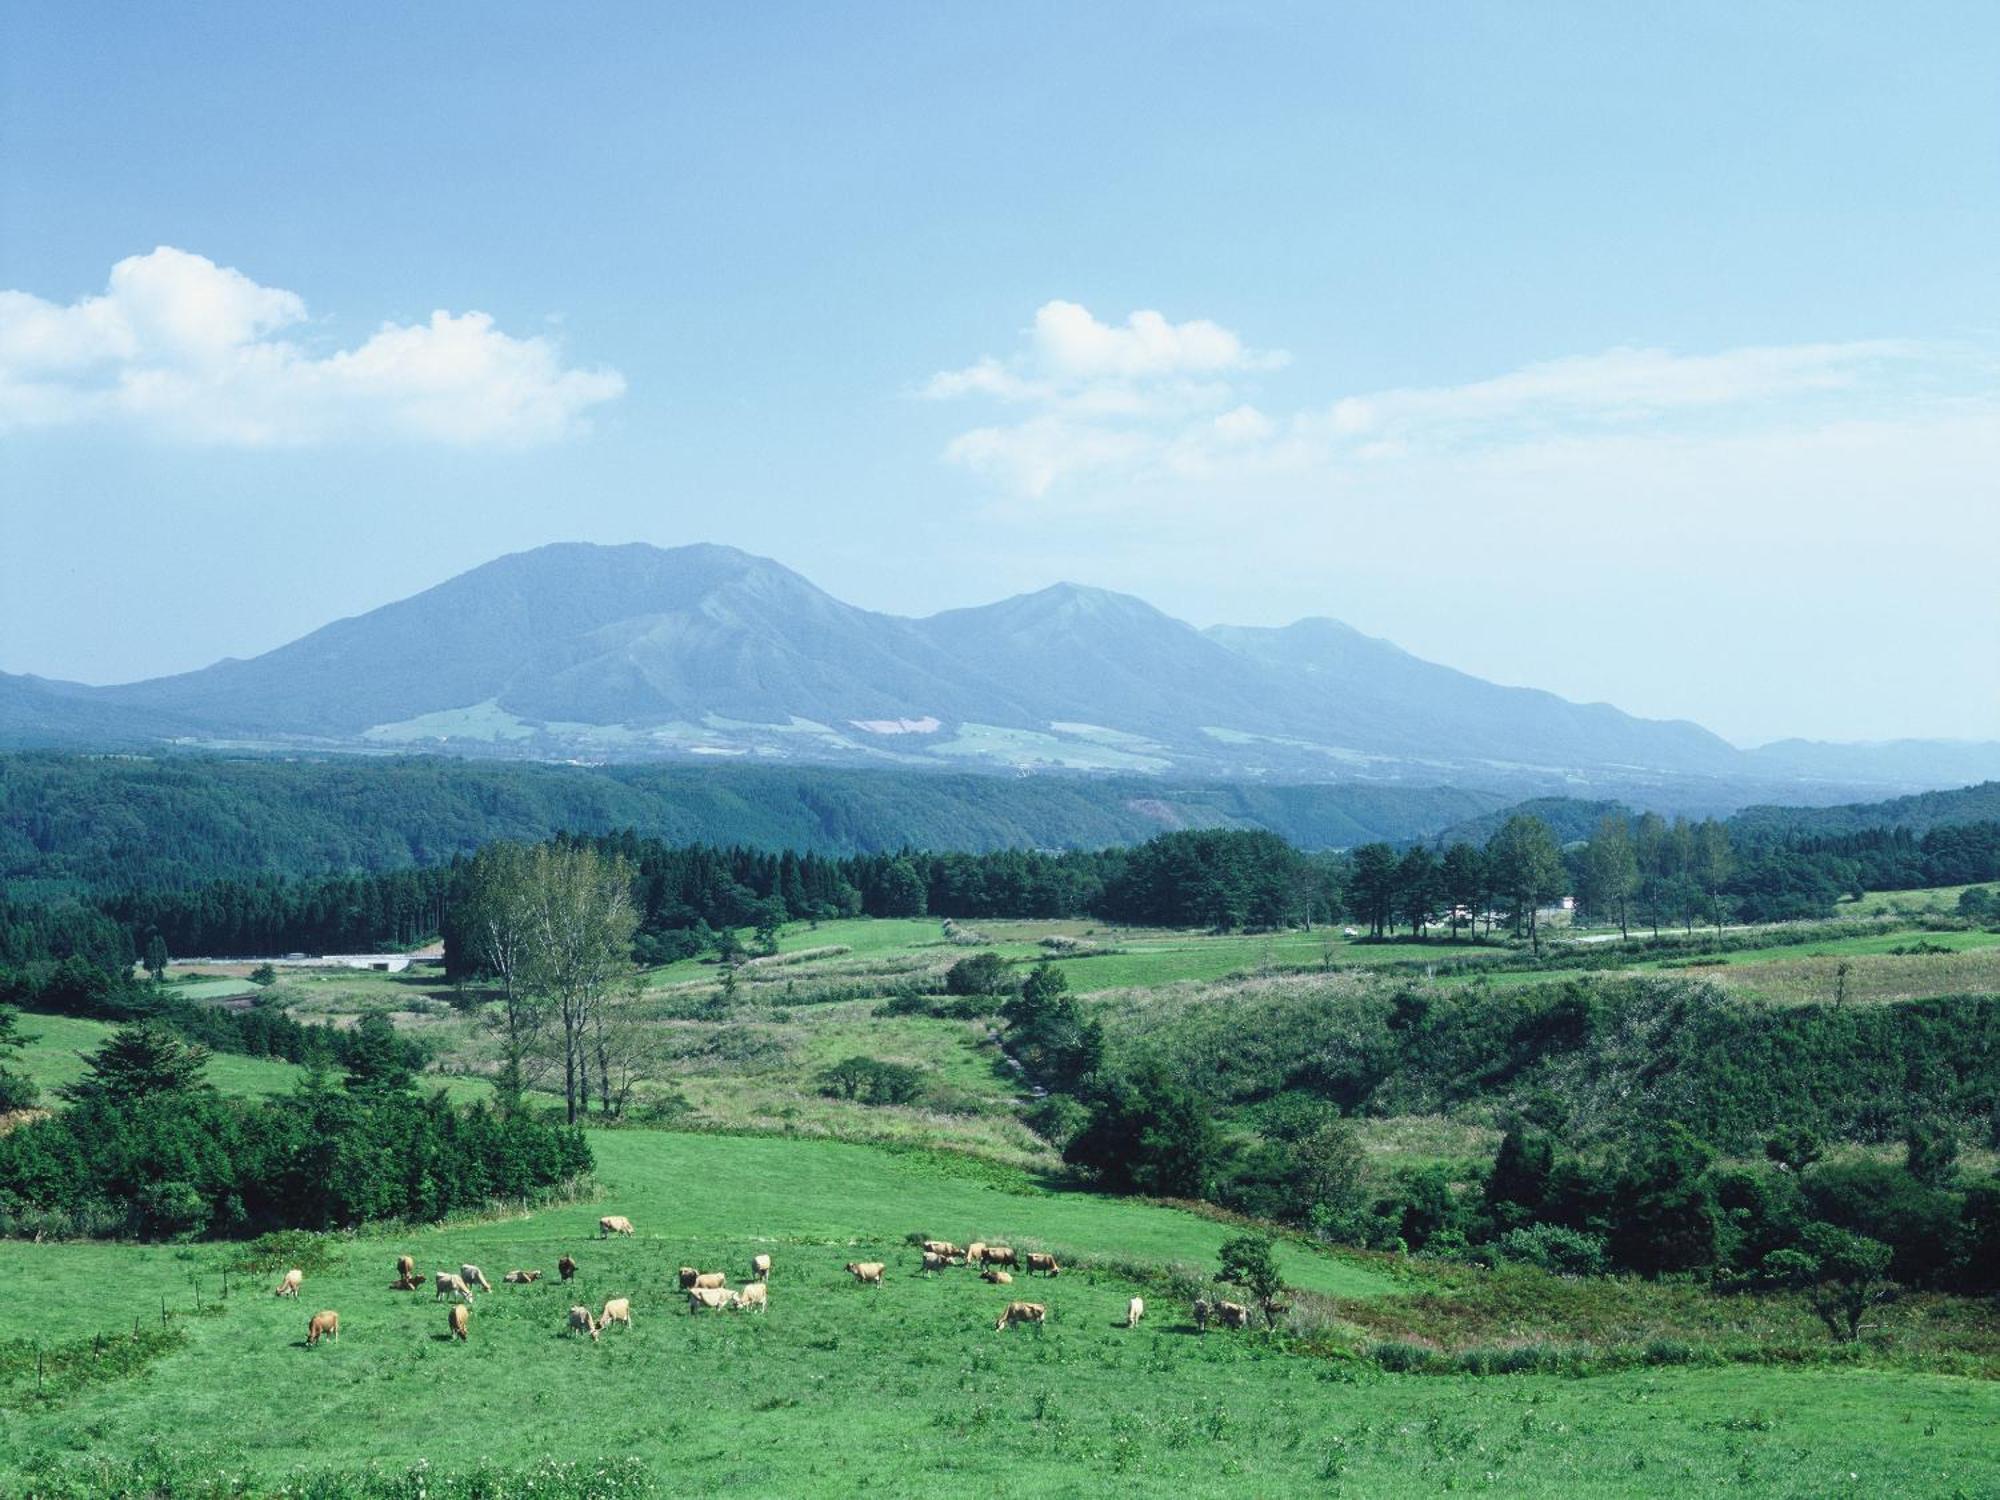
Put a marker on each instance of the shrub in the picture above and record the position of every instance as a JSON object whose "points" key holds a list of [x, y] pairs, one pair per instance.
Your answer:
{"points": [[1567, 1252], [981, 974], [869, 1080]]}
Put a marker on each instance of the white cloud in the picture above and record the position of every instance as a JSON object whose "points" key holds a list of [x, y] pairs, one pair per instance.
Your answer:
{"points": [[181, 348], [1101, 392], [1623, 385], [1129, 409]]}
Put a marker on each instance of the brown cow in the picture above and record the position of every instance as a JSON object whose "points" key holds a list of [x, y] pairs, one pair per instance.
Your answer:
{"points": [[580, 1321], [1203, 1310], [406, 1268], [688, 1275], [944, 1249], [865, 1271], [1021, 1312], [612, 1224], [523, 1278], [1232, 1314], [322, 1323], [934, 1262], [458, 1320], [407, 1284], [999, 1255], [760, 1268], [450, 1284], [473, 1276], [708, 1281], [975, 1253], [998, 1278], [1046, 1264], [711, 1297], [566, 1268], [617, 1310], [756, 1295], [289, 1286]]}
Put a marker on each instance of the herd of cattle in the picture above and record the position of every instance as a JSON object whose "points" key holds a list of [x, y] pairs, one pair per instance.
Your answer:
{"points": [[710, 1290]]}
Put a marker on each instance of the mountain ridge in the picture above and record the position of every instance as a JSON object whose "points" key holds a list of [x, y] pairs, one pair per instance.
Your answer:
{"points": [[633, 652]]}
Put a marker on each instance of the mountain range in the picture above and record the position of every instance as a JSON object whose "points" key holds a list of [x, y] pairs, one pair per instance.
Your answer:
{"points": [[583, 652]]}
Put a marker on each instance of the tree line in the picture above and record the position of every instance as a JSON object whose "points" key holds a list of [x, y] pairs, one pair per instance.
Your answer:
{"points": [[147, 1148]]}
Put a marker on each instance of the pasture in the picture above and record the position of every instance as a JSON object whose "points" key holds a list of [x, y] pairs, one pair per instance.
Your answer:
{"points": [[842, 1388], [55, 1058]]}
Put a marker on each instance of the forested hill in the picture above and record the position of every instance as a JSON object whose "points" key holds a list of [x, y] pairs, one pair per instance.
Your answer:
{"points": [[1919, 814], [123, 822], [1574, 818]]}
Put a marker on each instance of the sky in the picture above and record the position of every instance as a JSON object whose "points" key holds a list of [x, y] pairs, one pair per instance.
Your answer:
{"points": [[1650, 355]]}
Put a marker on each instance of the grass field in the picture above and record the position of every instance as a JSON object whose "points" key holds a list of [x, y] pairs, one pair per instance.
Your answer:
{"points": [[54, 1058], [842, 1389]]}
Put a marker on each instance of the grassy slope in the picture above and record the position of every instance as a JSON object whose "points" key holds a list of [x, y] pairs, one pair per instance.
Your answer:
{"points": [[841, 1387], [52, 1059]]}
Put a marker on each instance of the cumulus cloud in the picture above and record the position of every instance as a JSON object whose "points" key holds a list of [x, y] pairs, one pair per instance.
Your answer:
{"points": [[183, 349], [1101, 392]]}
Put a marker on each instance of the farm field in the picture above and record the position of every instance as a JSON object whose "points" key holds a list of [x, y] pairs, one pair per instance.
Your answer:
{"points": [[842, 1388]]}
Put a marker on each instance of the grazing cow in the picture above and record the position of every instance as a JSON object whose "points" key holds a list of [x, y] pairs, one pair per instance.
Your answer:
{"points": [[1134, 1311], [1046, 1264], [289, 1287], [934, 1262], [322, 1323], [975, 1253], [450, 1284], [565, 1268], [710, 1297], [1021, 1312], [473, 1276], [999, 1255], [458, 1320], [524, 1278], [1203, 1310], [708, 1281], [998, 1278], [865, 1271], [688, 1275], [1232, 1314], [617, 1310], [580, 1321], [760, 1268], [755, 1295], [612, 1224], [945, 1249], [406, 1268]]}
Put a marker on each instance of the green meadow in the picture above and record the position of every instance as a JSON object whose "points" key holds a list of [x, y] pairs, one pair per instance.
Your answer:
{"points": [[842, 1389]]}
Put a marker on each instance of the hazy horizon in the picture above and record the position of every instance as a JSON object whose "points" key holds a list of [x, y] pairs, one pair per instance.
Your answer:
{"points": [[1645, 359]]}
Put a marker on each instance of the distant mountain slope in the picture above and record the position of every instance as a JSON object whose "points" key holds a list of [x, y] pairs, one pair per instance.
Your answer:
{"points": [[634, 653], [182, 819], [1377, 693], [1919, 813]]}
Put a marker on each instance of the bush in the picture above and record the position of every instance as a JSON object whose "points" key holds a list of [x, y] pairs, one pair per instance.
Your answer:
{"points": [[869, 1080], [1057, 1118], [1566, 1252], [981, 974]]}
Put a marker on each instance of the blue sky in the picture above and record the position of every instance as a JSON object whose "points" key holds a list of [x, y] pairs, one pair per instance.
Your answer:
{"points": [[1644, 354]]}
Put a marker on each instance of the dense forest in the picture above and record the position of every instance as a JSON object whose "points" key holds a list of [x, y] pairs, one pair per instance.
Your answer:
{"points": [[96, 823]]}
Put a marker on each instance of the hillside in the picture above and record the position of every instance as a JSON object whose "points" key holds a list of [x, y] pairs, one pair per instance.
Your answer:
{"points": [[1919, 813], [635, 653], [174, 820]]}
